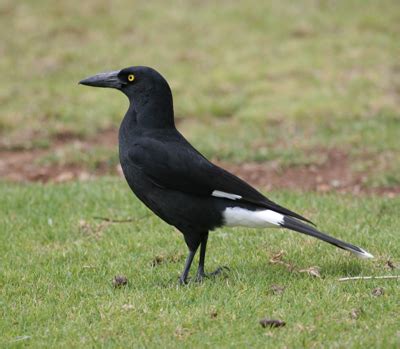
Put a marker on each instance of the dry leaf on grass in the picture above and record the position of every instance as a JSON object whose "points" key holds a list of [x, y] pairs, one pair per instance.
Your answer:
{"points": [[213, 313], [119, 281], [84, 226], [355, 313], [277, 289], [312, 271], [272, 323], [378, 291], [92, 229], [277, 258], [390, 265], [128, 306], [182, 332], [161, 259]]}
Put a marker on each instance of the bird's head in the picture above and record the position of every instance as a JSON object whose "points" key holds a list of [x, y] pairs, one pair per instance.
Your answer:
{"points": [[132, 81], [146, 89]]}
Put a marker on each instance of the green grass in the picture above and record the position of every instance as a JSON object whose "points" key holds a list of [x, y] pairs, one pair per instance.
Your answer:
{"points": [[76, 154], [273, 80], [57, 265]]}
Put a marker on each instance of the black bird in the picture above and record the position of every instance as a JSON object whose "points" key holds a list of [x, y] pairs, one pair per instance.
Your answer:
{"points": [[178, 183]]}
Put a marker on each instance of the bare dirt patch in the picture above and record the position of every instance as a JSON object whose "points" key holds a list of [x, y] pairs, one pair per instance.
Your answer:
{"points": [[21, 165], [332, 174]]}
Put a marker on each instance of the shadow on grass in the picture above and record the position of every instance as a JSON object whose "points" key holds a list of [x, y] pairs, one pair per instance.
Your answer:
{"points": [[329, 268], [351, 267], [271, 273]]}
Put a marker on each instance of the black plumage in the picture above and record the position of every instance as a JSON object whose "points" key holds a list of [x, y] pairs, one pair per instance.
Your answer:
{"points": [[179, 184]]}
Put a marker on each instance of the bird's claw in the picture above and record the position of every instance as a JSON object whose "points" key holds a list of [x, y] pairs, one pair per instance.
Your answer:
{"points": [[201, 275], [182, 281]]}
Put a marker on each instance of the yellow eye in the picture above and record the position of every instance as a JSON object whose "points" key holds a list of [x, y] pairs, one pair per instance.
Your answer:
{"points": [[131, 77]]}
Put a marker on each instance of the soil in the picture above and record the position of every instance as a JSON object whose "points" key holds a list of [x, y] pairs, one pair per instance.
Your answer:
{"points": [[333, 174]]}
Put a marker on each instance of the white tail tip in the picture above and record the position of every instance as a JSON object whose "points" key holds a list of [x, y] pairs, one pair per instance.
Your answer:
{"points": [[363, 254]]}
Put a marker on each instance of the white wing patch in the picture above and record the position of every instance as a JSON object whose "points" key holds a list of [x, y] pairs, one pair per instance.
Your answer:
{"points": [[222, 194], [237, 216]]}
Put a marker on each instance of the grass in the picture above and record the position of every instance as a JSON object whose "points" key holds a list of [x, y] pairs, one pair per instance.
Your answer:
{"points": [[58, 262], [274, 80], [76, 154]]}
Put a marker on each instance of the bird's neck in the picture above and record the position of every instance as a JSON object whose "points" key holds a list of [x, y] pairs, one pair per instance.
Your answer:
{"points": [[152, 110]]}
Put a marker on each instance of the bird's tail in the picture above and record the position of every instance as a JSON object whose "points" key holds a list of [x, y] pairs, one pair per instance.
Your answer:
{"points": [[296, 225]]}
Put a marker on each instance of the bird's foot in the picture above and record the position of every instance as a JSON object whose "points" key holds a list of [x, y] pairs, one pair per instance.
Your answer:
{"points": [[201, 275], [182, 281]]}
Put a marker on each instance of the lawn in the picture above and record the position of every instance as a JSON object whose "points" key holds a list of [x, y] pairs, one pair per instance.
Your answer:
{"points": [[283, 92], [58, 263]]}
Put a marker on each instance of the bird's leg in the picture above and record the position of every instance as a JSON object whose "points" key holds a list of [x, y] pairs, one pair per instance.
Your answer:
{"points": [[200, 271], [188, 263]]}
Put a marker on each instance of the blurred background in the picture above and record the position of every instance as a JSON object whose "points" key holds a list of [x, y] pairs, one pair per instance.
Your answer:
{"points": [[303, 95]]}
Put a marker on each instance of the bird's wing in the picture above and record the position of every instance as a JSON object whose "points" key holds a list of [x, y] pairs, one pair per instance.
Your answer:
{"points": [[178, 166]]}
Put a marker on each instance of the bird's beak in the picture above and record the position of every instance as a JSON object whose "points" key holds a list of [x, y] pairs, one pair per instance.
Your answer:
{"points": [[109, 79]]}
